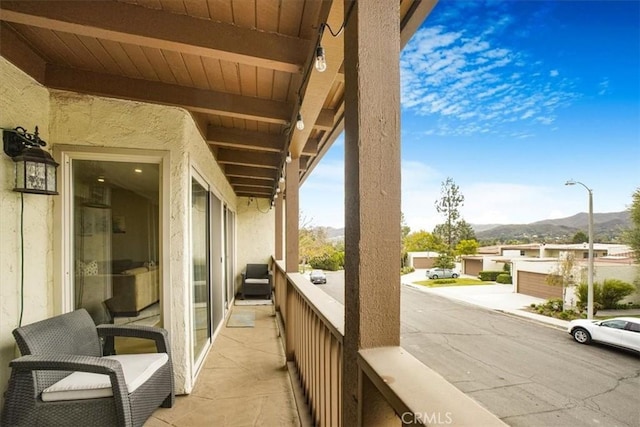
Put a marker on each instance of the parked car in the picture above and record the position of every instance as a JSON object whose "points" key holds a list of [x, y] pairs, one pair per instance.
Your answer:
{"points": [[441, 273], [618, 331], [318, 276]]}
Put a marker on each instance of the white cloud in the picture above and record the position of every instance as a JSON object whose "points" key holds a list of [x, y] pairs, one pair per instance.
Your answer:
{"points": [[471, 83]]}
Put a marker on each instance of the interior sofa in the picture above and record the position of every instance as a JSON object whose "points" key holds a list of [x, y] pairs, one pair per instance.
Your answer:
{"points": [[134, 290]]}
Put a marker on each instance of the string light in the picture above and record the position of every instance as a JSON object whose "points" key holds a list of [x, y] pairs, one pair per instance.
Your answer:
{"points": [[288, 159], [299, 122], [321, 60], [281, 179]]}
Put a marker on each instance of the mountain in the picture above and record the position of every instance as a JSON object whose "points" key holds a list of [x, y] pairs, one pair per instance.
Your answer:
{"points": [[607, 227]]}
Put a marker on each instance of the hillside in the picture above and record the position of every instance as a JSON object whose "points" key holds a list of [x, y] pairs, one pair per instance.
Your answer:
{"points": [[607, 227]]}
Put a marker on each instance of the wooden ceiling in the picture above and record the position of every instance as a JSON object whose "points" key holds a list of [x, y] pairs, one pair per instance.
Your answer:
{"points": [[242, 68]]}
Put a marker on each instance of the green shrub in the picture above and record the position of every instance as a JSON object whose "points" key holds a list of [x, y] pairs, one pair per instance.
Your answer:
{"points": [[504, 279], [613, 290], [506, 268], [554, 304], [326, 262], [606, 295], [407, 269], [489, 275]]}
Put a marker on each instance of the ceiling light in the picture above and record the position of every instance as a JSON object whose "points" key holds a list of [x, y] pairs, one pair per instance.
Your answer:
{"points": [[288, 159], [100, 179], [321, 60], [299, 122], [278, 190], [275, 196], [281, 179], [137, 170]]}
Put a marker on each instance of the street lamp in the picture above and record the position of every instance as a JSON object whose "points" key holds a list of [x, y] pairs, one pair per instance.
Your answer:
{"points": [[590, 271]]}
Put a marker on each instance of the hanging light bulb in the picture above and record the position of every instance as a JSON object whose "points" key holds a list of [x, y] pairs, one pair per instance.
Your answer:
{"points": [[299, 122], [278, 190], [281, 179], [275, 196], [321, 60], [288, 159]]}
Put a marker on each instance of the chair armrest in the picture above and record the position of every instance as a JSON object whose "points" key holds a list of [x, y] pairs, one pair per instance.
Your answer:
{"points": [[159, 335], [71, 362]]}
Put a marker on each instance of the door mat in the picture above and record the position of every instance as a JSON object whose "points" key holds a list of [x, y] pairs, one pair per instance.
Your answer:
{"points": [[253, 302], [246, 319]]}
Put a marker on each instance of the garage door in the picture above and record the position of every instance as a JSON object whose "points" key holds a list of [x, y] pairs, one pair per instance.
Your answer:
{"points": [[535, 284], [423, 262], [472, 266]]}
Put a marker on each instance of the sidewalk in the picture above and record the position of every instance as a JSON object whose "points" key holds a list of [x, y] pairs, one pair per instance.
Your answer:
{"points": [[493, 297]]}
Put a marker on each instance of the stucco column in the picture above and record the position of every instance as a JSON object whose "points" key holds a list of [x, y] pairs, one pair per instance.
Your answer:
{"points": [[372, 189], [279, 234], [292, 213]]}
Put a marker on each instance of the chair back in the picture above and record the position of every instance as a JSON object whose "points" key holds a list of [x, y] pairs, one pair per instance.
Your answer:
{"points": [[70, 333], [257, 271]]}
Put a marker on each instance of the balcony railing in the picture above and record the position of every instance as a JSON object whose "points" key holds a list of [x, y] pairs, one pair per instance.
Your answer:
{"points": [[402, 385]]}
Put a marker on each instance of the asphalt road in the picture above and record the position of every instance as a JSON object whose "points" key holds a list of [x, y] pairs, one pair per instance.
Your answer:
{"points": [[527, 373]]}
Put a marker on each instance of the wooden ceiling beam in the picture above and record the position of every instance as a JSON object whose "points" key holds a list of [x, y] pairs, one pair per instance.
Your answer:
{"points": [[245, 139], [247, 158], [192, 99], [256, 194], [136, 25], [20, 54], [250, 182], [319, 84], [250, 172]]}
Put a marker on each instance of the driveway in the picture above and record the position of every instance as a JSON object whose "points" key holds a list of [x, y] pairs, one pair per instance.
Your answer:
{"points": [[525, 372]]}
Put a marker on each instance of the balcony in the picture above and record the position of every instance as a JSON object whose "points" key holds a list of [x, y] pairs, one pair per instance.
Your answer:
{"points": [[180, 86], [253, 376]]}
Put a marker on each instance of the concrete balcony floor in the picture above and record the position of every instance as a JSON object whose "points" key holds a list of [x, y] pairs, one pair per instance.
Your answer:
{"points": [[244, 381]]}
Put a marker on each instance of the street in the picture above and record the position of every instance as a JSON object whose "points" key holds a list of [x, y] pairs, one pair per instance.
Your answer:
{"points": [[527, 373]]}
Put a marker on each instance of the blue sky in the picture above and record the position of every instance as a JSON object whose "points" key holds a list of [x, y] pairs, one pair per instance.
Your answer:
{"points": [[511, 99]]}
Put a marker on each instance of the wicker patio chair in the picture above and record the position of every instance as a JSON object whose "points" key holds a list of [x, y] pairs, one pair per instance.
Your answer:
{"points": [[257, 280], [70, 348]]}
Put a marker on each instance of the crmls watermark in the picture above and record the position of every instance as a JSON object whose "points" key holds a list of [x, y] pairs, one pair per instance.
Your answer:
{"points": [[427, 418]]}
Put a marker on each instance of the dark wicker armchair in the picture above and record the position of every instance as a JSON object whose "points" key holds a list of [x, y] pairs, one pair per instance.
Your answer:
{"points": [[53, 383], [256, 280]]}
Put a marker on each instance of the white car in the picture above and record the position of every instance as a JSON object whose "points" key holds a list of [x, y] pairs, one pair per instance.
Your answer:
{"points": [[618, 331], [442, 273]]}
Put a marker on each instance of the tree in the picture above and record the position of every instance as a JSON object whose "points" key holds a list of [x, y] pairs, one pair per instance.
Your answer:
{"points": [[404, 232], [445, 260], [632, 236], [464, 231], [563, 274], [422, 241], [580, 237], [467, 247], [448, 205]]}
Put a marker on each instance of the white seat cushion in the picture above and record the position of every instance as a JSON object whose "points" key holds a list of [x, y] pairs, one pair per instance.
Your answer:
{"points": [[257, 281], [137, 369]]}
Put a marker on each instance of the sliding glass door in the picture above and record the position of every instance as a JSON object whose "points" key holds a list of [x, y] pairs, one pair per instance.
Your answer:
{"points": [[115, 240], [200, 269]]}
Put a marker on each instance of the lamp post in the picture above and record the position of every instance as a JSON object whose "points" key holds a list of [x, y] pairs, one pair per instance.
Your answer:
{"points": [[590, 268]]}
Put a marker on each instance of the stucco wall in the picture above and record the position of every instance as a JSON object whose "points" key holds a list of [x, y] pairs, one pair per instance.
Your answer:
{"points": [[256, 232], [23, 102], [74, 119]]}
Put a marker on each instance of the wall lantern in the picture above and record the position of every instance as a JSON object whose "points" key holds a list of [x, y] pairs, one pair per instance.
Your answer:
{"points": [[35, 169]]}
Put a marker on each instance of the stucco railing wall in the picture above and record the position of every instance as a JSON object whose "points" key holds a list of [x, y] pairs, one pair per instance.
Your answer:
{"points": [[407, 389]]}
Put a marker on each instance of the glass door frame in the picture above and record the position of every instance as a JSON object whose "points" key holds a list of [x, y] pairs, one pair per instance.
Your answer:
{"points": [[63, 294]]}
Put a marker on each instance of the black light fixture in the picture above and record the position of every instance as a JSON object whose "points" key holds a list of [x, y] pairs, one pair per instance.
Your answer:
{"points": [[35, 169]]}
